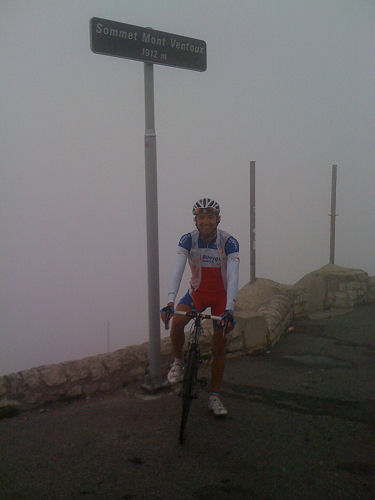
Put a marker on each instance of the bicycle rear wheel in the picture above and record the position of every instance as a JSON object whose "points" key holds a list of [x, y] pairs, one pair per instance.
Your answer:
{"points": [[190, 377]]}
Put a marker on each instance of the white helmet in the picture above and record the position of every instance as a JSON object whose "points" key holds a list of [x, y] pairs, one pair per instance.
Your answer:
{"points": [[206, 205]]}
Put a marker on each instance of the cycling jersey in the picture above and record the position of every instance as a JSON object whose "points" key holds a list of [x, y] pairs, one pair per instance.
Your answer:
{"points": [[214, 266]]}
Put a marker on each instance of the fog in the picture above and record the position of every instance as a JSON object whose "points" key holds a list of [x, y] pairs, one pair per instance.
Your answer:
{"points": [[289, 84]]}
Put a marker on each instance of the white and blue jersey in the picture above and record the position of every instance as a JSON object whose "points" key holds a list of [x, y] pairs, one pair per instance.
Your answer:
{"points": [[214, 266]]}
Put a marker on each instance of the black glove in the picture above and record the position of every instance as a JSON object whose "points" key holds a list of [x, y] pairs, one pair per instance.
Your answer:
{"points": [[227, 319], [169, 312]]}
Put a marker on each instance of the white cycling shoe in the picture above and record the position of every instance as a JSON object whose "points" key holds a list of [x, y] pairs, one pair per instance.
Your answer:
{"points": [[216, 406], [176, 372]]}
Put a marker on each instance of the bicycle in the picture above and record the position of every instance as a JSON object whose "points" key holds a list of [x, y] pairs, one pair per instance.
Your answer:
{"points": [[192, 360]]}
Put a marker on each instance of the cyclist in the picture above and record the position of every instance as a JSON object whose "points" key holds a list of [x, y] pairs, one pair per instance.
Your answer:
{"points": [[213, 257]]}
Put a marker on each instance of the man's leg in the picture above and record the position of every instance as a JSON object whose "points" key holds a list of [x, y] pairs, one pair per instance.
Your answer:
{"points": [[177, 330], [217, 372], [177, 335], [219, 347]]}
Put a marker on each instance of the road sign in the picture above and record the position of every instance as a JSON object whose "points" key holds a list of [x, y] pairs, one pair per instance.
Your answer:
{"points": [[144, 44]]}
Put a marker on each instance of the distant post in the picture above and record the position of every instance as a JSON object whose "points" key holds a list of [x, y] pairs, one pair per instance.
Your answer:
{"points": [[252, 222], [108, 336], [333, 215]]}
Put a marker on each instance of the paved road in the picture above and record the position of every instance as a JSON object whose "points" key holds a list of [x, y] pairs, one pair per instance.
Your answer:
{"points": [[301, 426]]}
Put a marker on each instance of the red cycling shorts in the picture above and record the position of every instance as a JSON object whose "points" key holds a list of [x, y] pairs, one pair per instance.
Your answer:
{"points": [[200, 300]]}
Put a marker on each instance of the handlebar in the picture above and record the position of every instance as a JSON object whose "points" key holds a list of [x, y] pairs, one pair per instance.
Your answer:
{"points": [[195, 314], [189, 314]]}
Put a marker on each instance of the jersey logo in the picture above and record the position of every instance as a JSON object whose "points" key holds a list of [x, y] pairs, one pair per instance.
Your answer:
{"points": [[211, 260]]}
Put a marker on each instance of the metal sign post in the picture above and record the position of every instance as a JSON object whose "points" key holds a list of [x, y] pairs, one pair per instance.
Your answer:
{"points": [[152, 47], [152, 229]]}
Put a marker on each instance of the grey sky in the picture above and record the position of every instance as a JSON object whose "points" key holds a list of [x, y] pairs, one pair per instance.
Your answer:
{"points": [[289, 84]]}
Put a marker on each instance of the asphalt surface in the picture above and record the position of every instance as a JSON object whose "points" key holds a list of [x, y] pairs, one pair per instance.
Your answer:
{"points": [[301, 425]]}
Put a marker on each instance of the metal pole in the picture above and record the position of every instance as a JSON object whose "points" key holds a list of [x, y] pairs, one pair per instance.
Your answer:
{"points": [[152, 229], [252, 222], [333, 215]]}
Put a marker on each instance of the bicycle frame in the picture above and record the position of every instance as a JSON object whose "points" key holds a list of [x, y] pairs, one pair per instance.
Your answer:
{"points": [[192, 360]]}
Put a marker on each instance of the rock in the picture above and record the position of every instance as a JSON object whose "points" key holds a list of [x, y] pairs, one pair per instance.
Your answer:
{"points": [[252, 328], [16, 385], [74, 392], [33, 398], [105, 387], [4, 386], [371, 289], [333, 286], [9, 408], [113, 362], [77, 370], [53, 375], [257, 294], [97, 370], [136, 372], [32, 378], [90, 388]]}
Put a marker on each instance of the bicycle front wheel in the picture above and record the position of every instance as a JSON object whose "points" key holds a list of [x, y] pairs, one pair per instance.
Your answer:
{"points": [[190, 377]]}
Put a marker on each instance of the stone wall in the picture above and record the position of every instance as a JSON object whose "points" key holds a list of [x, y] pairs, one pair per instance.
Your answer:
{"points": [[371, 289], [335, 287], [264, 311]]}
